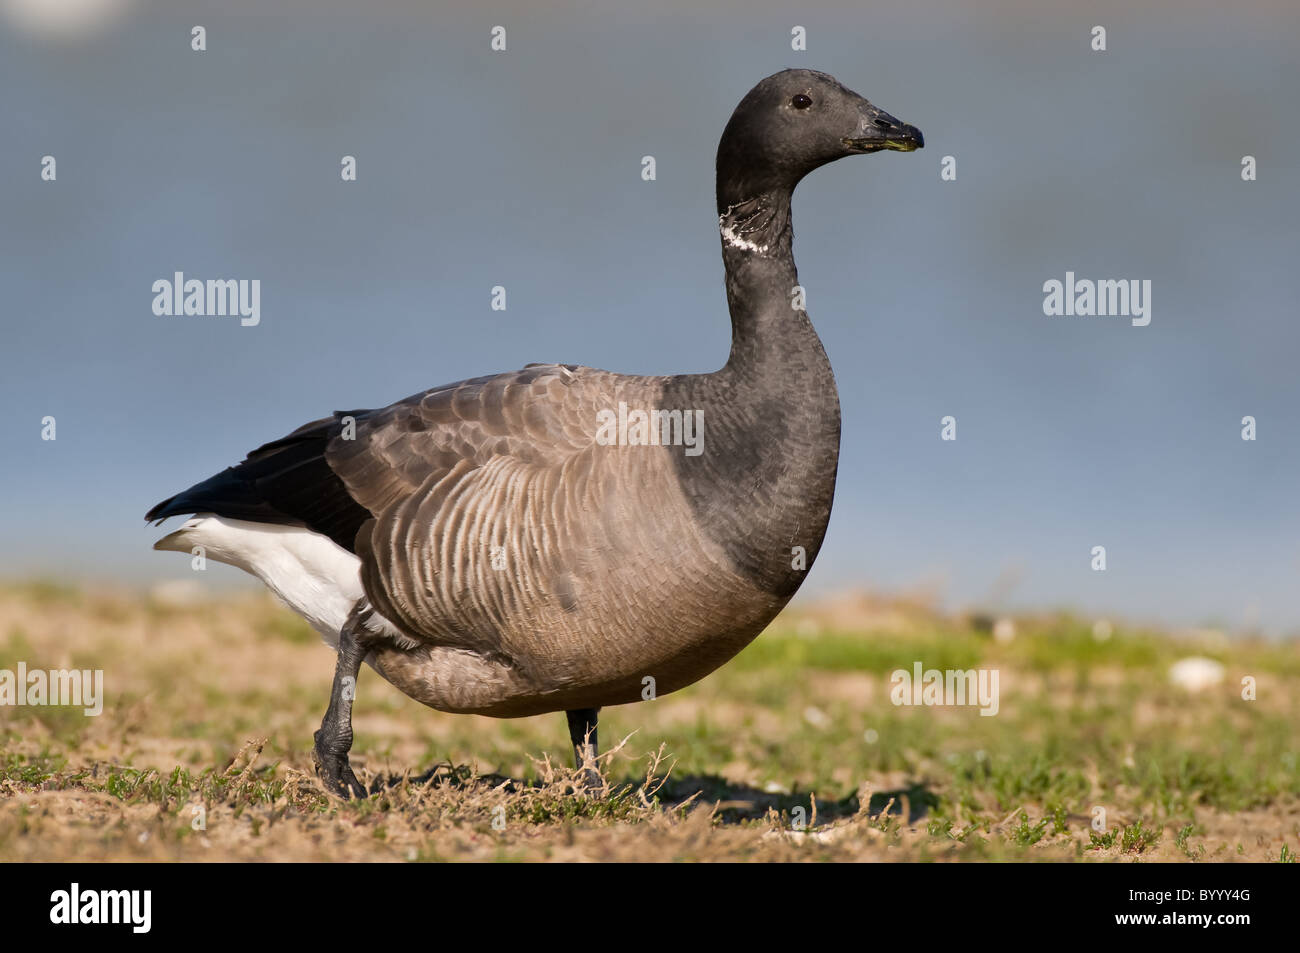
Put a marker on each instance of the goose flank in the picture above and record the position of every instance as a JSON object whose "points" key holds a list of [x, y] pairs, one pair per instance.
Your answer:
{"points": [[485, 551]]}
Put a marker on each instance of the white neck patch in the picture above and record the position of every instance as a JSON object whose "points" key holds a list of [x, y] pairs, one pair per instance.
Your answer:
{"points": [[735, 240]]}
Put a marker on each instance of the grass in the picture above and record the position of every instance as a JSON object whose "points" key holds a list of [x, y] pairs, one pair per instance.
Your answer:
{"points": [[793, 751]]}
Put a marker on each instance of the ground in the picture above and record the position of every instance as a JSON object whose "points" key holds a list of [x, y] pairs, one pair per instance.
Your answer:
{"points": [[793, 751]]}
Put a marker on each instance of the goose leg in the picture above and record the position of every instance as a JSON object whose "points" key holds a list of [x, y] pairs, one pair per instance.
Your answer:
{"points": [[582, 732], [334, 739]]}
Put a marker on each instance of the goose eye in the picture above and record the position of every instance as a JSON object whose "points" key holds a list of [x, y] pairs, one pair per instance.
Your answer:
{"points": [[801, 101]]}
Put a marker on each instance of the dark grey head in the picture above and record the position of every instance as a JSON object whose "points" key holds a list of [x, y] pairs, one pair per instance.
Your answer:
{"points": [[794, 121]]}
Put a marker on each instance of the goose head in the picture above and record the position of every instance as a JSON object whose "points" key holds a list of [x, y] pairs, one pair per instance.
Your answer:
{"points": [[795, 121]]}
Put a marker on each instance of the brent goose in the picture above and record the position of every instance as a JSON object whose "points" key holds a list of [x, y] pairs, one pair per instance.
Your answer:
{"points": [[560, 538]]}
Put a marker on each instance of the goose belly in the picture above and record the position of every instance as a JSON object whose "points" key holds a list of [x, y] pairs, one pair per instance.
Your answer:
{"points": [[633, 636]]}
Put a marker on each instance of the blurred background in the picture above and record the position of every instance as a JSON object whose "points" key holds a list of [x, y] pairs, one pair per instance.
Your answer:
{"points": [[523, 169]]}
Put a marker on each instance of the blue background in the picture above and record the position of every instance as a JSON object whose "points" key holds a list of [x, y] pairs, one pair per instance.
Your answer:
{"points": [[523, 169]]}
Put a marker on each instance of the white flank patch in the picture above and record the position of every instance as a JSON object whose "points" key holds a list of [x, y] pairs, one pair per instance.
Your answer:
{"points": [[313, 575]]}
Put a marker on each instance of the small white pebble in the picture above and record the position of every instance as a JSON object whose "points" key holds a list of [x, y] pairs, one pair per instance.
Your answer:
{"points": [[816, 717], [1196, 673]]}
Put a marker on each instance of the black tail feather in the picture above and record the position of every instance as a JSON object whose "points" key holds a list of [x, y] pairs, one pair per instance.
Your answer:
{"points": [[287, 481]]}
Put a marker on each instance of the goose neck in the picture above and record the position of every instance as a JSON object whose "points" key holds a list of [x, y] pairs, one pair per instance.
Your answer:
{"points": [[768, 321]]}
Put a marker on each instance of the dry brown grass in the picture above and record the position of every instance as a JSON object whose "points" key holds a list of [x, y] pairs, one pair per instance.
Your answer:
{"points": [[211, 707]]}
